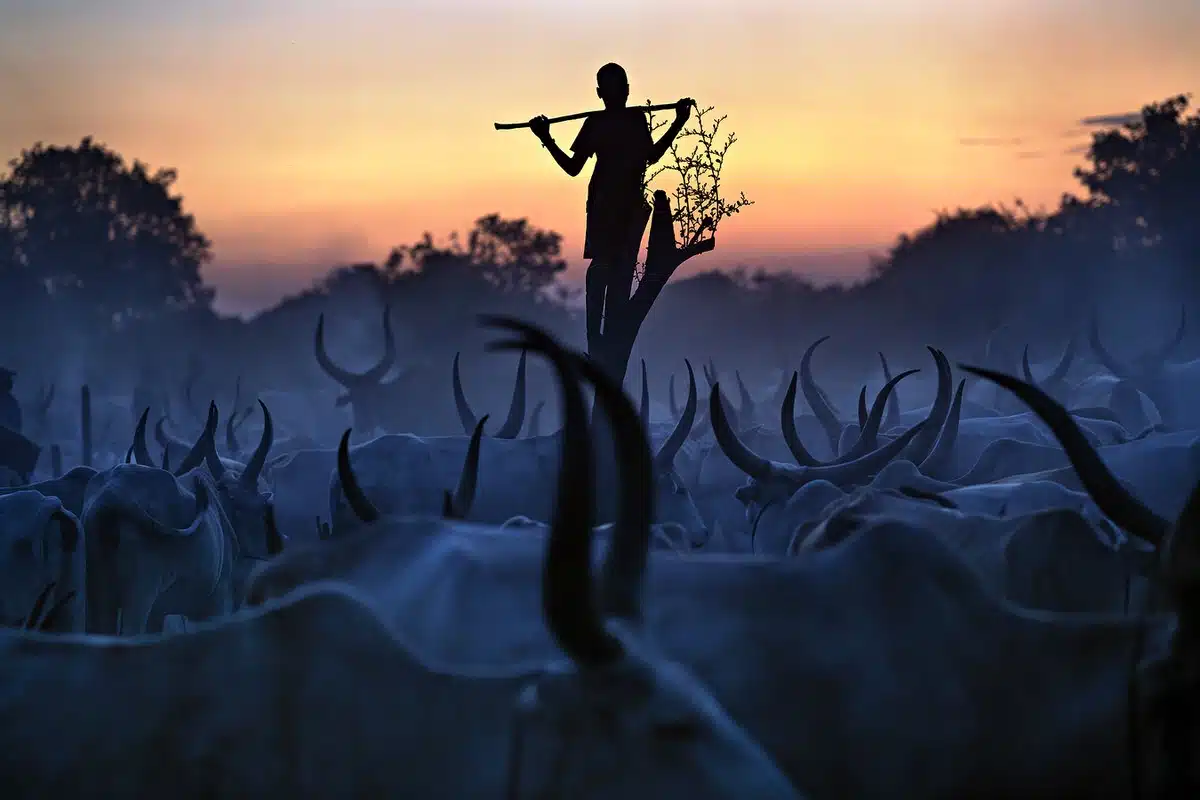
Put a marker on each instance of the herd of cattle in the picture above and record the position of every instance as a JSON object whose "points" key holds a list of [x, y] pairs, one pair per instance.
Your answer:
{"points": [[990, 595]]}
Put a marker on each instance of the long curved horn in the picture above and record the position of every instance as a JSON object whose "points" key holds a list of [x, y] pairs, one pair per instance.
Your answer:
{"points": [[816, 400], [787, 425], [1058, 374], [623, 575], [664, 459], [458, 505], [356, 498], [568, 600], [254, 466], [923, 444], [734, 449], [141, 451], [516, 407], [196, 455], [869, 432], [1109, 495], [466, 416], [762, 469], [938, 460], [350, 379], [862, 407], [166, 439], [1026, 370]]}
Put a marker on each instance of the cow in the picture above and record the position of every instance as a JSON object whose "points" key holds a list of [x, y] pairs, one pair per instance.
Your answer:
{"points": [[375, 403], [154, 547], [238, 487], [41, 542], [367, 713], [771, 481], [1168, 385], [511, 427], [68, 488], [1054, 559], [850, 665], [409, 474]]}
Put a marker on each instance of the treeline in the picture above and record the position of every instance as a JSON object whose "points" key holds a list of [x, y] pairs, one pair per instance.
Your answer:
{"points": [[100, 278]]}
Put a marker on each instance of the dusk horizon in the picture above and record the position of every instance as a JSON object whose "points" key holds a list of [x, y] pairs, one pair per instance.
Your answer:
{"points": [[307, 138]]}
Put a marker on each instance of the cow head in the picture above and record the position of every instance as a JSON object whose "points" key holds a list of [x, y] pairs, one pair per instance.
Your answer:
{"points": [[40, 543], [248, 509], [365, 392]]}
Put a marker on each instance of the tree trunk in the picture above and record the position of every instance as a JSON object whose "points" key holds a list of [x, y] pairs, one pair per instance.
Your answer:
{"points": [[663, 257]]}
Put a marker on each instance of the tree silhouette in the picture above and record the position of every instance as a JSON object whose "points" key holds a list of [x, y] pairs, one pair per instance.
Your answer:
{"points": [[1144, 183], [510, 255], [960, 269], [98, 237], [675, 235]]}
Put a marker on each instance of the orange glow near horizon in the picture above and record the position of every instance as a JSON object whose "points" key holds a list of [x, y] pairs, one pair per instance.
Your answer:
{"points": [[309, 133]]}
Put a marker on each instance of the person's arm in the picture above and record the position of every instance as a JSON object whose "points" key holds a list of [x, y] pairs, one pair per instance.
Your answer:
{"points": [[659, 149], [570, 164]]}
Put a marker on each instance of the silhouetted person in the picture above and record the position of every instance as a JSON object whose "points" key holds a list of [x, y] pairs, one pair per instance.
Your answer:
{"points": [[620, 139], [10, 410]]}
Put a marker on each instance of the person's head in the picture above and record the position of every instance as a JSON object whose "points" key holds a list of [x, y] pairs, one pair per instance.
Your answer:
{"points": [[6, 379], [612, 85]]}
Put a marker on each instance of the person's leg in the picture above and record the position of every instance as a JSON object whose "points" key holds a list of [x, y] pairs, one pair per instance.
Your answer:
{"points": [[628, 240], [595, 287], [620, 284]]}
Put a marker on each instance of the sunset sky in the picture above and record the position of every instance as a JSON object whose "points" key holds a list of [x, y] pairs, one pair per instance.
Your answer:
{"points": [[315, 132]]}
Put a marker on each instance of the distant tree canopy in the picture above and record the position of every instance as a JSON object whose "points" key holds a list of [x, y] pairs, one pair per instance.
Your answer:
{"points": [[1144, 179], [85, 235], [1142, 206], [82, 231], [509, 255]]}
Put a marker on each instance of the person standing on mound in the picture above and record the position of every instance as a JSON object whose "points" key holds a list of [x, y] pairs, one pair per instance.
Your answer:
{"points": [[620, 139]]}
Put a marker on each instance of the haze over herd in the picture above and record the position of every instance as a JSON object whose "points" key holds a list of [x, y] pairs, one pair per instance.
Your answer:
{"points": [[933, 536]]}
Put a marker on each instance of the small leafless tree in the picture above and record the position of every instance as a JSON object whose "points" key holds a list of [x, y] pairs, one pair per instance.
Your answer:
{"points": [[675, 234]]}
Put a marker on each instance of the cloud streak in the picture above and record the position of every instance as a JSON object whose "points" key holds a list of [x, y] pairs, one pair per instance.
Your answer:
{"points": [[1111, 120]]}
